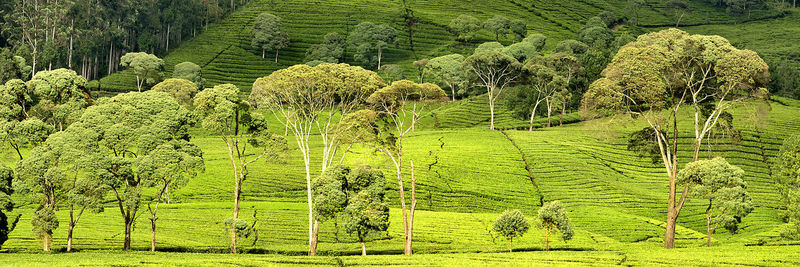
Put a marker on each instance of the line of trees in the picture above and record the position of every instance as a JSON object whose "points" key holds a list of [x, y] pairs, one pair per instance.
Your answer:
{"points": [[90, 36]]}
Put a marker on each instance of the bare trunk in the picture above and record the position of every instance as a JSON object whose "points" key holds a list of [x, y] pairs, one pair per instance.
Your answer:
{"points": [[363, 246], [69, 54], [511, 244], [533, 115], [236, 197], [547, 240], [153, 234], [453, 92], [380, 53], [128, 228], [276, 55], [409, 240], [549, 113], [399, 164], [491, 110], [561, 117], [69, 237], [263, 53], [46, 238], [312, 250], [169, 27]]}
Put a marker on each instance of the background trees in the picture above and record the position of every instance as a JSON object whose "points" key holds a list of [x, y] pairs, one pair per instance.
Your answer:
{"points": [[182, 90], [331, 50], [511, 224], [6, 204], [788, 179], [447, 71], [191, 72], [267, 34], [367, 40], [498, 25]]}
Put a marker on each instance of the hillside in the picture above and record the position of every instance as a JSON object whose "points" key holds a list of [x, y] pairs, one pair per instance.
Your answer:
{"points": [[466, 176], [225, 54]]}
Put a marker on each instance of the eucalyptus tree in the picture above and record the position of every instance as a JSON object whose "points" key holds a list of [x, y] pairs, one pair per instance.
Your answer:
{"points": [[661, 72], [191, 72], [313, 100], [267, 34], [181, 89], [546, 82], [223, 112], [493, 71], [401, 105], [511, 224], [168, 167], [127, 129], [447, 71], [148, 68], [368, 40], [722, 184], [552, 218]]}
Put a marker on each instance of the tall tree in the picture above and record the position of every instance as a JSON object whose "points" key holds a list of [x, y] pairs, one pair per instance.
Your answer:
{"points": [[678, 8], [182, 90], [148, 68], [493, 71], [673, 69], [267, 34], [312, 100], [722, 184], [367, 211], [331, 50], [224, 112], [402, 105], [367, 39]]}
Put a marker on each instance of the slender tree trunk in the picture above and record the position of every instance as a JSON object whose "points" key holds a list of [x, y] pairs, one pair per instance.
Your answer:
{"points": [[69, 54], [314, 239], [511, 244], [399, 164], [491, 110], [549, 113], [263, 53], [169, 27], [128, 228], [236, 198], [409, 241], [547, 240], [533, 115], [672, 214], [276, 55], [708, 223], [561, 117], [453, 92]]}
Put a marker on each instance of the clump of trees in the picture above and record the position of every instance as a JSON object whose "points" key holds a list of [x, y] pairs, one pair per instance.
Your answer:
{"points": [[267, 34], [358, 195], [368, 40], [552, 218]]}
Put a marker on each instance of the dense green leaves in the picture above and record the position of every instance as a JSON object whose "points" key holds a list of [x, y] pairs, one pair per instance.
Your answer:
{"points": [[191, 72], [553, 218], [465, 26], [368, 40], [511, 224], [267, 34], [147, 67], [181, 89], [788, 179]]}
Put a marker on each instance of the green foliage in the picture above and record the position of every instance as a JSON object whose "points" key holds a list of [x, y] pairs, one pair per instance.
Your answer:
{"points": [[447, 71], [267, 34], [181, 89], [12, 67], [391, 73], [367, 211], [572, 47], [511, 224], [329, 192], [788, 179], [60, 96], [553, 218], [6, 204], [465, 27], [147, 67], [522, 51], [488, 46], [368, 40], [722, 184], [498, 25], [331, 50], [538, 41], [191, 72], [239, 226], [518, 28]]}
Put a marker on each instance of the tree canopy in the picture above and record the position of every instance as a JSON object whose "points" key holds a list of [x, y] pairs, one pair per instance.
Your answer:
{"points": [[148, 68], [511, 224], [267, 34], [368, 40]]}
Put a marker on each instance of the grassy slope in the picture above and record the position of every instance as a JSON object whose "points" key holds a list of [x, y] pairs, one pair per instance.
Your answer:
{"points": [[226, 56]]}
